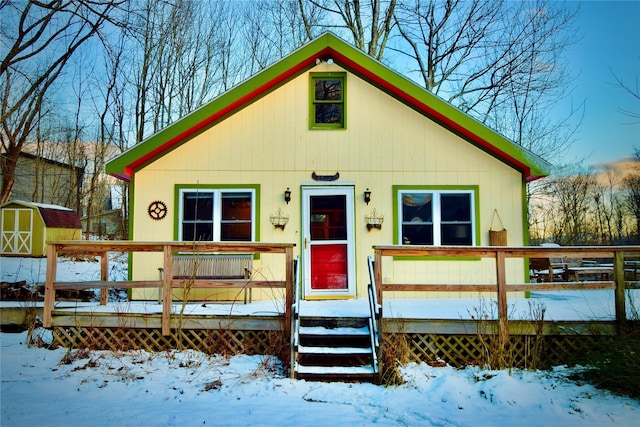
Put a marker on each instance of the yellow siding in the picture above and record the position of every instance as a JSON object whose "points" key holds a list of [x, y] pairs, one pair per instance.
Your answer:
{"points": [[385, 143]]}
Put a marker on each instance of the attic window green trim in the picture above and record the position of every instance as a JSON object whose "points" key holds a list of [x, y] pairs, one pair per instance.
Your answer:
{"points": [[327, 101]]}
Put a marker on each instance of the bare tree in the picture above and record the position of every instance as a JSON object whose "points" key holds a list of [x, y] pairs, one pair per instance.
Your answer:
{"points": [[631, 185], [497, 60], [633, 91], [631, 182], [370, 25], [107, 106], [608, 206], [42, 37], [184, 54], [276, 28], [571, 197]]}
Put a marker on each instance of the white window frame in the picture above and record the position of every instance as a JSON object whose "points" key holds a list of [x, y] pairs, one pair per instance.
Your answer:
{"points": [[217, 209], [437, 212]]}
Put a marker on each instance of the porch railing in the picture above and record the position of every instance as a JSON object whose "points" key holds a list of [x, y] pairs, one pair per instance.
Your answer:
{"points": [[375, 319], [168, 282], [615, 254]]}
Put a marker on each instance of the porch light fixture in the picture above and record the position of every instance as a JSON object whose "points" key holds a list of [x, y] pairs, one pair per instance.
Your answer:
{"points": [[367, 196], [279, 220], [373, 220], [287, 195]]}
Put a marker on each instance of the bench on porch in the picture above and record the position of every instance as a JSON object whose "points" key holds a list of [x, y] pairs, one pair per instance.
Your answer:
{"points": [[548, 269], [204, 266]]}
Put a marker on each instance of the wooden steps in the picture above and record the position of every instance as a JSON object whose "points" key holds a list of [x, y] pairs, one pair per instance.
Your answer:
{"points": [[330, 348]]}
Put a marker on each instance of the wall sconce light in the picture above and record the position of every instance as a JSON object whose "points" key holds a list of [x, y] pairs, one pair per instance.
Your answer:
{"points": [[287, 195], [367, 196], [278, 220], [373, 220]]}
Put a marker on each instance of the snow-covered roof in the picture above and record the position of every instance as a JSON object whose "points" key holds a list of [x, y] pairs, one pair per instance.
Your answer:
{"points": [[54, 216]]}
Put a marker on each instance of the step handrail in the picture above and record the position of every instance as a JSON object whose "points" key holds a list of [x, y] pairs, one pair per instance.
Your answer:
{"points": [[373, 334], [375, 318], [295, 317], [372, 283]]}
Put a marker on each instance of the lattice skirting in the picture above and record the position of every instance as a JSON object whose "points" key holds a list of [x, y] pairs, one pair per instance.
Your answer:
{"points": [[209, 341], [523, 351], [456, 350]]}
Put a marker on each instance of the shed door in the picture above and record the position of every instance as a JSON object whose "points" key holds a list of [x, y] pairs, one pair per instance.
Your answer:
{"points": [[16, 231], [329, 254]]}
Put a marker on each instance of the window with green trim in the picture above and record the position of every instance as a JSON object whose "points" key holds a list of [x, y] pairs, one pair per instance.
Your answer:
{"points": [[327, 100], [436, 217], [217, 215]]}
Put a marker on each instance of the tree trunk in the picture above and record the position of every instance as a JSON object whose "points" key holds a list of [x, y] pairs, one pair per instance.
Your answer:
{"points": [[9, 163]]}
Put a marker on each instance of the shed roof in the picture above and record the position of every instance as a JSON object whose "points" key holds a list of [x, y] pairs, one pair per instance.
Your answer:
{"points": [[54, 216], [328, 46]]}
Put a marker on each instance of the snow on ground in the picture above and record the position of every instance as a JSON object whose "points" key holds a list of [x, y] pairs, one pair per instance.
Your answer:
{"points": [[193, 389]]}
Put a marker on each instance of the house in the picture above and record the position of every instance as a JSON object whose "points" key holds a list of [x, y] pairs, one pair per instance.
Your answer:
{"points": [[94, 195], [335, 152], [26, 227], [44, 180], [109, 219]]}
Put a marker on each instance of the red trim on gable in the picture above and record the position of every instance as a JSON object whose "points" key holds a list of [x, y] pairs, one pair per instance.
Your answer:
{"points": [[430, 112], [239, 103]]}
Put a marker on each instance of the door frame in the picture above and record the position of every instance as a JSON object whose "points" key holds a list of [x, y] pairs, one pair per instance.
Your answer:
{"points": [[325, 190]]}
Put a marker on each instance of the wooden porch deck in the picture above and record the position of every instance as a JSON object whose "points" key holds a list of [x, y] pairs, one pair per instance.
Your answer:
{"points": [[172, 324]]}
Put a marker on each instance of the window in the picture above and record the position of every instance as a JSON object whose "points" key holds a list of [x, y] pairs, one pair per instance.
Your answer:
{"points": [[217, 215], [436, 217], [327, 101]]}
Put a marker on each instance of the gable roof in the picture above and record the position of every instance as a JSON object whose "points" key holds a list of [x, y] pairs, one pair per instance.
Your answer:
{"points": [[54, 216], [357, 62]]}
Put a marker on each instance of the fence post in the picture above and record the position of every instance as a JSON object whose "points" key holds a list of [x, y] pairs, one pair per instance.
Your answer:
{"points": [[166, 290], [289, 289], [104, 276], [503, 325], [618, 277], [49, 289], [377, 275]]}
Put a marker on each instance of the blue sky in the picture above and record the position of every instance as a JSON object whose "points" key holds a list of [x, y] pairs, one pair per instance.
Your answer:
{"points": [[610, 41]]}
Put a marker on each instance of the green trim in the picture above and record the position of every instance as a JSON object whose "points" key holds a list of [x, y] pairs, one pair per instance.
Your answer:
{"points": [[476, 201], [176, 199], [302, 60], [312, 101], [525, 216], [132, 198], [525, 229]]}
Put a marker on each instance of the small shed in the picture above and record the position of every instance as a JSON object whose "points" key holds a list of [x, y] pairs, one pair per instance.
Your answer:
{"points": [[27, 226]]}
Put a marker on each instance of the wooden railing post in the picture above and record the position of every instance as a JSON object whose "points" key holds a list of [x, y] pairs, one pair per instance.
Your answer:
{"points": [[377, 274], [620, 293], [502, 297], [49, 289], [104, 276], [166, 290], [289, 289]]}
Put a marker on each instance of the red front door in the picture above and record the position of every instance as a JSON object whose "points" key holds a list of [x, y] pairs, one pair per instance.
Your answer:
{"points": [[328, 241]]}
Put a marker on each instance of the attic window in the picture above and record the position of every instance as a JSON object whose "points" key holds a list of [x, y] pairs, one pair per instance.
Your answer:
{"points": [[328, 101]]}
